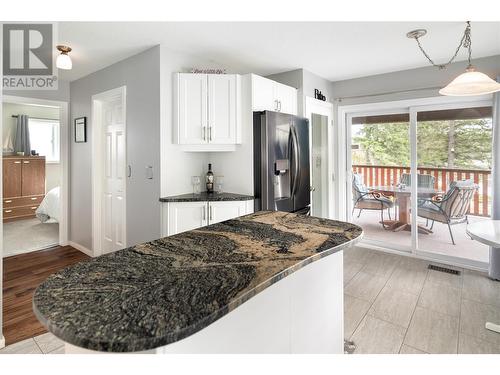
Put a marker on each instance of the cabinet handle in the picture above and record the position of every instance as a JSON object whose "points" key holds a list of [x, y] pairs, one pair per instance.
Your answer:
{"points": [[276, 106], [279, 103], [204, 213], [26, 162], [204, 133], [210, 213], [17, 162], [210, 132], [8, 211], [34, 198], [34, 208], [9, 201]]}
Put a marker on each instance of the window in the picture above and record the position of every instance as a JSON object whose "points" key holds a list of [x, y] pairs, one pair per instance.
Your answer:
{"points": [[44, 138]]}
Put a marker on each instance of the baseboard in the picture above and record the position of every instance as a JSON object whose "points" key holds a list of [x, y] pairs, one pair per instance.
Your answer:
{"points": [[81, 248], [2, 342]]}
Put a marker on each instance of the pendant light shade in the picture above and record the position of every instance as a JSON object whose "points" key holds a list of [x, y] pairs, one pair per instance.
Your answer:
{"points": [[63, 60], [470, 83]]}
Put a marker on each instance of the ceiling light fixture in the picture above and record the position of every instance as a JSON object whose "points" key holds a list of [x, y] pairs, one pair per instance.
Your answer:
{"points": [[469, 83], [63, 60]]}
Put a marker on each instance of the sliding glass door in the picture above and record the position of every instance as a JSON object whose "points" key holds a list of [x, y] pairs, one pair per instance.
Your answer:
{"points": [[447, 150], [454, 150], [380, 164]]}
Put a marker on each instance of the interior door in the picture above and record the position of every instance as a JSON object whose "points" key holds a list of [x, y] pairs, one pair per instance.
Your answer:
{"points": [[221, 211], [33, 177], [114, 198], [222, 116], [192, 107], [11, 178], [319, 165]]}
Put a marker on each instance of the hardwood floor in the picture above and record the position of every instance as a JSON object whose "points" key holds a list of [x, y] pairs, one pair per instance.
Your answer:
{"points": [[22, 274]]}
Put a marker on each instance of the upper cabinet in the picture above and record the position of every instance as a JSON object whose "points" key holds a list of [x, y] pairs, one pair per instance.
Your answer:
{"points": [[269, 95], [207, 110]]}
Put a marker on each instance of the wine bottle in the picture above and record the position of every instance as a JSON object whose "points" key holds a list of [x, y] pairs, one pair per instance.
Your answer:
{"points": [[210, 179]]}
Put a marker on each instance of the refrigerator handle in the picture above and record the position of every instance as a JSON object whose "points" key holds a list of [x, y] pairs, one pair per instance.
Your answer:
{"points": [[296, 159]]}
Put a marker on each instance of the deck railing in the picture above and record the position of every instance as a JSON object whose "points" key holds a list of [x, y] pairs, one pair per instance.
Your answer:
{"points": [[377, 175]]}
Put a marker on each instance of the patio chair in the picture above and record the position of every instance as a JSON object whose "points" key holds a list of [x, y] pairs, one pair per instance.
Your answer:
{"points": [[369, 200], [450, 209], [424, 180]]}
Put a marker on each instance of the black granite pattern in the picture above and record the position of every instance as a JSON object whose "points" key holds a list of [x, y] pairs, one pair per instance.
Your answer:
{"points": [[156, 293], [204, 196]]}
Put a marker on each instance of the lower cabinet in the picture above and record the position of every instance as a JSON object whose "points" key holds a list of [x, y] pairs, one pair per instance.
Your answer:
{"points": [[180, 217]]}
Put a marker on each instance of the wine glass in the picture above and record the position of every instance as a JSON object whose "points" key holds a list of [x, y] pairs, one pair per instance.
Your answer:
{"points": [[196, 182], [219, 184]]}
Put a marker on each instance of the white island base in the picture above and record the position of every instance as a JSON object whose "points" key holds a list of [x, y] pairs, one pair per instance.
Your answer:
{"points": [[302, 313]]}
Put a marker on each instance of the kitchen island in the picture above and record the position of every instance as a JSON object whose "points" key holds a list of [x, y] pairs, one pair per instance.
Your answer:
{"points": [[269, 282]]}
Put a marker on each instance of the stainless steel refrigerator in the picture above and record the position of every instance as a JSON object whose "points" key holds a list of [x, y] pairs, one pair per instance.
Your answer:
{"points": [[281, 162]]}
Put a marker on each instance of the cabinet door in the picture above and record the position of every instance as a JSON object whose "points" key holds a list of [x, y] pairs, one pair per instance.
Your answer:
{"points": [[263, 94], [220, 211], [287, 98], [192, 108], [222, 111], [184, 216], [11, 178], [33, 177]]}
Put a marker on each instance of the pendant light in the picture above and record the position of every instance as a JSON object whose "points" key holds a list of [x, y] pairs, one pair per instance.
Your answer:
{"points": [[469, 83], [63, 60]]}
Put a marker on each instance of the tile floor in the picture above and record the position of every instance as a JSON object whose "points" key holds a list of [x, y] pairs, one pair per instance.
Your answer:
{"points": [[395, 304], [42, 344]]}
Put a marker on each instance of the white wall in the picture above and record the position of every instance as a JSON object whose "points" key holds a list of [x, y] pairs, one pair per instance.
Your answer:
{"points": [[53, 171], [177, 166]]}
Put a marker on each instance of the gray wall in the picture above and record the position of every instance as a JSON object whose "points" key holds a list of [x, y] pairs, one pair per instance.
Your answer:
{"points": [[141, 75], [312, 81], [408, 80]]}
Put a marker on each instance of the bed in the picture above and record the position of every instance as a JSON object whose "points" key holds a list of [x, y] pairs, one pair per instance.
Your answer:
{"points": [[49, 209]]}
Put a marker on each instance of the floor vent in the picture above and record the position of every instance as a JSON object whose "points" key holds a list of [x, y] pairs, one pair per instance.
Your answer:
{"points": [[443, 269]]}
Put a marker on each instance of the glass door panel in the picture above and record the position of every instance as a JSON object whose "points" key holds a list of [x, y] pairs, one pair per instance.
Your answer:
{"points": [[379, 191], [454, 152], [319, 165]]}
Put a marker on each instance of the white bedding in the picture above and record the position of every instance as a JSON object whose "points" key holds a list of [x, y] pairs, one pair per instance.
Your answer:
{"points": [[49, 209]]}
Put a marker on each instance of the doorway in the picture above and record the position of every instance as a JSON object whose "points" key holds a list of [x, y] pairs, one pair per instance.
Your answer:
{"points": [[320, 114], [442, 144], [35, 161], [110, 171]]}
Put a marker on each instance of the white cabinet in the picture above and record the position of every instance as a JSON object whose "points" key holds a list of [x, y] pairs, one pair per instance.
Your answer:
{"points": [[207, 110], [269, 95], [184, 216], [220, 211], [222, 109], [180, 217]]}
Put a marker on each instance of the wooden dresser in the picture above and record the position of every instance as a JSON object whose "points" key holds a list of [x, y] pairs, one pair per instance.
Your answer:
{"points": [[23, 186]]}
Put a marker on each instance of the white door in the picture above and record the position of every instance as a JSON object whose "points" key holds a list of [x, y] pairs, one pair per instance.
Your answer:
{"points": [[220, 211], [114, 177], [286, 97], [263, 94], [222, 116], [192, 108], [184, 216]]}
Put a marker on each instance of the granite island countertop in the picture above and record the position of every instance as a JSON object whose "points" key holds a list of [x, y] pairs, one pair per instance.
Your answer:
{"points": [[160, 292], [204, 196]]}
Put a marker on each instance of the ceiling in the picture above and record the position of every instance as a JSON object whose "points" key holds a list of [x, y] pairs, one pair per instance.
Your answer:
{"points": [[333, 50]]}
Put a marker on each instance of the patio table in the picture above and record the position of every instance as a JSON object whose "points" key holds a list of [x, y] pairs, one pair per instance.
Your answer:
{"points": [[403, 198]]}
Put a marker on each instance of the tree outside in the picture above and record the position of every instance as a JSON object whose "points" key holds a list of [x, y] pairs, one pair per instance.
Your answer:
{"points": [[464, 144]]}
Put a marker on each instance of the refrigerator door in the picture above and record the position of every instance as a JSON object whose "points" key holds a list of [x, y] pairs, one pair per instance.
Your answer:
{"points": [[272, 153], [301, 184]]}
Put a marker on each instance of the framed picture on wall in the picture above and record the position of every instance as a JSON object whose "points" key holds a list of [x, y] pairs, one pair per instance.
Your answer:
{"points": [[81, 129]]}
